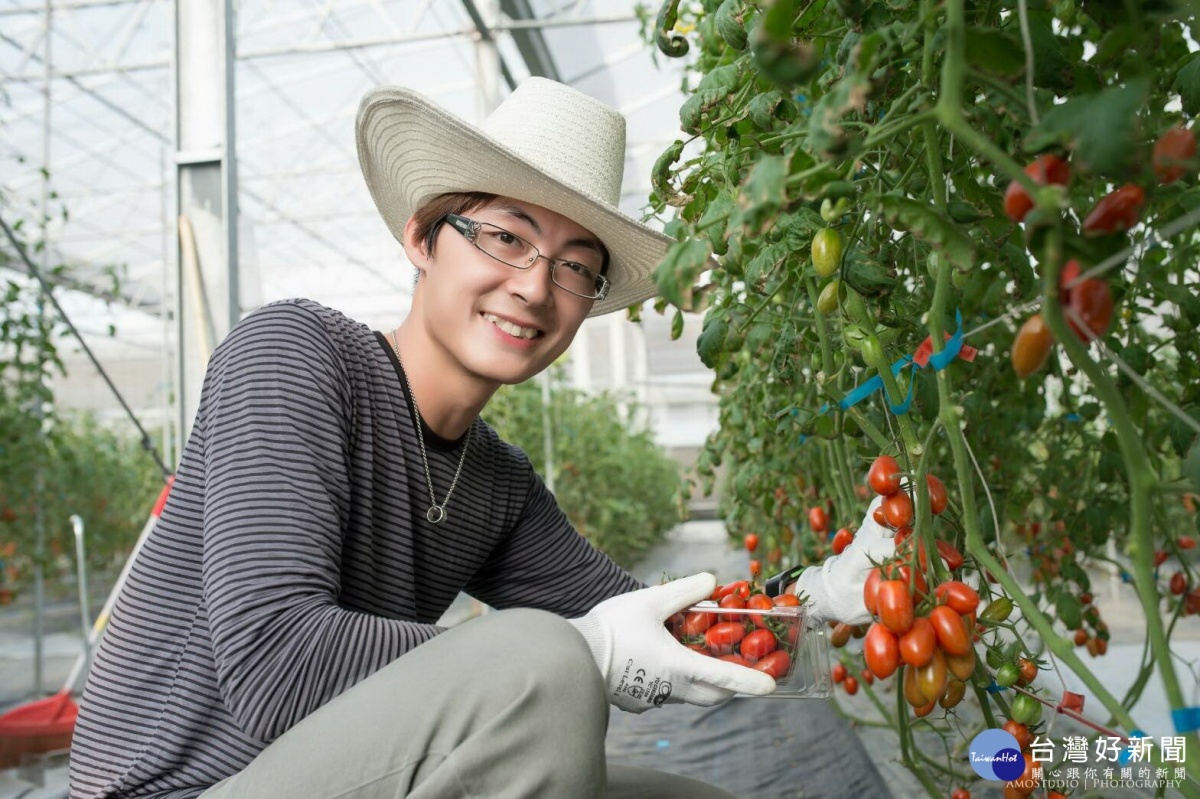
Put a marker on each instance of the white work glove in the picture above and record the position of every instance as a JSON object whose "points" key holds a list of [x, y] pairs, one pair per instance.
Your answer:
{"points": [[835, 588], [644, 666]]}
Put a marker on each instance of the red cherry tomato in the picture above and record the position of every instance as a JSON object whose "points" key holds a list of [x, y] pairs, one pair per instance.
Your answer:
{"points": [[842, 540], [1178, 583], [1117, 211], [851, 685], [960, 793], [937, 495], [878, 516], [839, 672], [757, 645], [787, 601], [1186, 542], [759, 602], [741, 587], [962, 598], [818, 519], [897, 509], [917, 645], [697, 623], [1172, 153], [1019, 731], [750, 542], [776, 664], [1087, 304], [871, 590], [1047, 168], [895, 606], [732, 602], [755, 567], [881, 651], [884, 475], [952, 633], [950, 554], [735, 658], [722, 638]]}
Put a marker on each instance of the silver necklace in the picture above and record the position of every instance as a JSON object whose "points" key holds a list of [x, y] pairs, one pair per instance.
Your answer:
{"points": [[436, 513]]}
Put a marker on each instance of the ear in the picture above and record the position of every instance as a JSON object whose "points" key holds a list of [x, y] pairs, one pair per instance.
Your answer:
{"points": [[414, 248]]}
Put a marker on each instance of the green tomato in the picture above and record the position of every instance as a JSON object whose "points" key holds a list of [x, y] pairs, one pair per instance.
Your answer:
{"points": [[872, 351], [826, 252], [827, 303], [999, 610], [1008, 674], [1025, 710], [854, 336]]}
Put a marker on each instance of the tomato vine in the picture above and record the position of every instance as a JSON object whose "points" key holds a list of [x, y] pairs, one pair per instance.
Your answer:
{"points": [[854, 186]]}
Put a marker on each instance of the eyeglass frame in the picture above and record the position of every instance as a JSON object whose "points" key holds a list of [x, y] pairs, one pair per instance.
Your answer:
{"points": [[469, 228]]}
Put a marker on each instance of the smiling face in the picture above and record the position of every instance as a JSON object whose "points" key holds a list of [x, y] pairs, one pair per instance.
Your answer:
{"points": [[490, 322]]}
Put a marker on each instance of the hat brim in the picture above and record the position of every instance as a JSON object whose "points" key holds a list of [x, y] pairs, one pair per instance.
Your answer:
{"points": [[412, 150]]}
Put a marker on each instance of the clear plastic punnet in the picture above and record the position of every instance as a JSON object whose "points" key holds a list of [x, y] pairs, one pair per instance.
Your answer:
{"points": [[776, 640]]}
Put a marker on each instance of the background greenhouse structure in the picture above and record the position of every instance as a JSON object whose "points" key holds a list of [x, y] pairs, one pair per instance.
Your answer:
{"points": [[173, 165], [121, 117]]}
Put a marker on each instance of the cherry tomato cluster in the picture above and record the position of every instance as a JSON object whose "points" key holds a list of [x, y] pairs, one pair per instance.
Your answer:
{"points": [[757, 640], [1088, 302], [849, 682]]}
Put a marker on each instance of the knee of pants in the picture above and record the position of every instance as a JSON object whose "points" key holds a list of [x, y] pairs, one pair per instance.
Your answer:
{"points": [[548, 649]]}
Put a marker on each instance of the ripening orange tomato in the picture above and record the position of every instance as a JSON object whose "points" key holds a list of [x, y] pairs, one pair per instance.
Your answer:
{"points": [[1031, 348]]}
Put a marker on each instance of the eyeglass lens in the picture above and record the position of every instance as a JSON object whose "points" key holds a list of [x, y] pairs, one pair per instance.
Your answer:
{"points": [[577, 277]]}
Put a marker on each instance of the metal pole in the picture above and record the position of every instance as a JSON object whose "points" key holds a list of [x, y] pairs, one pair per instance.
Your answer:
{"points": [[85, 614], [39, 475]]}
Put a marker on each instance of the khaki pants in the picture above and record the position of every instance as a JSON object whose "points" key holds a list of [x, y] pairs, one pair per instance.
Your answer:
{"points": [[509, 705]]}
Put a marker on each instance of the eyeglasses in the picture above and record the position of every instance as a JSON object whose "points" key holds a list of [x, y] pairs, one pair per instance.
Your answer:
{"points": [[581, 279]]}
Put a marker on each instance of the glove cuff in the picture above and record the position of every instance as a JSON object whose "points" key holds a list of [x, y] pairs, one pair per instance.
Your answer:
{"points": [[594, 633]]}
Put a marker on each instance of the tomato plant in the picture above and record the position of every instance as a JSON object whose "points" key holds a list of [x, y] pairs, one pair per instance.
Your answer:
{"points": [[869, 119]]}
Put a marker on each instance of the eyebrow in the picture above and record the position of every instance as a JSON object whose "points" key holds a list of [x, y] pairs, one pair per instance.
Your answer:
{"points": [[590, 242]]}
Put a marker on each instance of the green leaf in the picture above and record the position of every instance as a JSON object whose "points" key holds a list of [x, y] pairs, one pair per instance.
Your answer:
{"points": [[762, 109], [677, 325], [1101, 128], [711, 342], [765, 261], [764, 191], [1053, 68], [676, 275], [660, 176], [927, 224], [995, 51], [1070, 610], [1187, 83], [731, 23]]}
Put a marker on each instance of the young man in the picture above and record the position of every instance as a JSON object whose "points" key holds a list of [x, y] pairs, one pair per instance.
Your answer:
{"points": [[277, 635]]}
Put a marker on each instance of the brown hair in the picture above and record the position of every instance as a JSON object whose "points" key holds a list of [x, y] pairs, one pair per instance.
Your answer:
{"points": [[430, 216]]}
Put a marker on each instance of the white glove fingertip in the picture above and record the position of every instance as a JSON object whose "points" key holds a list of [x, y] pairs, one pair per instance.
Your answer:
{"points": [[735, 677], [679, 594]]}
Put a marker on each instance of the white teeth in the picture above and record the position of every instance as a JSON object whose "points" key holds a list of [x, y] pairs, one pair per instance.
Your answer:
{"points": [[508, 327]]}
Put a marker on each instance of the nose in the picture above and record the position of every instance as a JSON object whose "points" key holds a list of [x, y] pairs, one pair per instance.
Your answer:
{"points": [[533, 285]]}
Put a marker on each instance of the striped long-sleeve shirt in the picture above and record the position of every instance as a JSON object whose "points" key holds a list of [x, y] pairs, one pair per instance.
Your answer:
{"points": [[293, 558]]}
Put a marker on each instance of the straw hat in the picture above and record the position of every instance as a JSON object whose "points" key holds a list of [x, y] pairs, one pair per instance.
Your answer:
{"points": [[546, 144]]}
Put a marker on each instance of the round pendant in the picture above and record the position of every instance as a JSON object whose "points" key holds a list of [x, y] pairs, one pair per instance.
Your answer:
{"points": [[436, 514]]}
